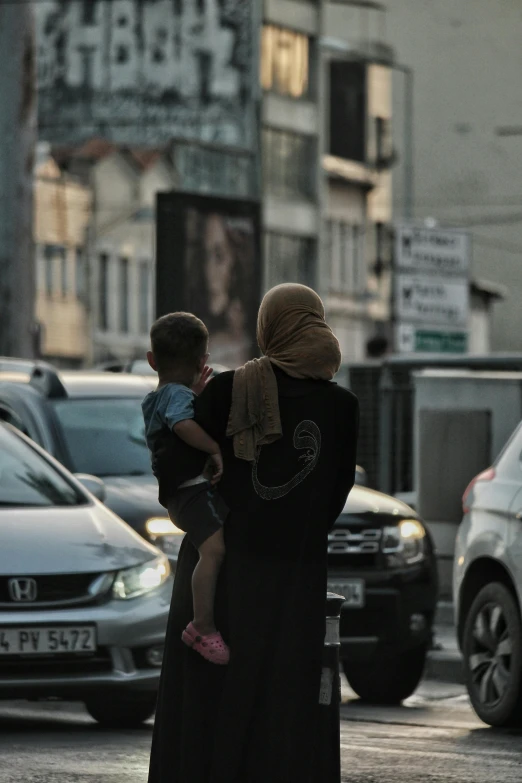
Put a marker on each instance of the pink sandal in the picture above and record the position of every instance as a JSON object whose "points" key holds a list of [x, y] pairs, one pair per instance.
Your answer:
{"points": [[211, 647]]}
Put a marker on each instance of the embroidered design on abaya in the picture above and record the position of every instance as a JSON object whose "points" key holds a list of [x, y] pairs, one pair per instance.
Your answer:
{"points": [[306, 436]]}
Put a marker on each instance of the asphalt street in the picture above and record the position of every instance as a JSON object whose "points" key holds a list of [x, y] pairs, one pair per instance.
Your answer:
{"points": [[434, 737]]}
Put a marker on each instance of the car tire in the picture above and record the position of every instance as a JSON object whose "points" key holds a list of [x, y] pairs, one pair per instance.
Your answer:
{"points": [[387, 681], [122, 712], [492, 651]]}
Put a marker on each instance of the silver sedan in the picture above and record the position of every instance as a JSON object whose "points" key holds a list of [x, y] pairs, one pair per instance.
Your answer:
{"points": [[84, 600]]}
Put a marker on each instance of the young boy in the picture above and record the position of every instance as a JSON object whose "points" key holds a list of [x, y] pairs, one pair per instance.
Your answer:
{"points": [[186, 476]]}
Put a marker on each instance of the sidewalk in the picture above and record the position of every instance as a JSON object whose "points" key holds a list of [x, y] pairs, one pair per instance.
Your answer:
{"points": [[445, 661]]}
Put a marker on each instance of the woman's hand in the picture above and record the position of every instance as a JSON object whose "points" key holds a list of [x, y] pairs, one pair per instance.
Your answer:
{"points": [[206, 375]]}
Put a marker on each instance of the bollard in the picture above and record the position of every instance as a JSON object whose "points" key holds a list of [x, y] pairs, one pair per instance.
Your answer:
{"points": [[329, 756]]}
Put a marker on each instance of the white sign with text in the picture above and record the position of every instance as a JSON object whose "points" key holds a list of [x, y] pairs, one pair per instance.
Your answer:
{"points": [[432, 250], [432, 300]]}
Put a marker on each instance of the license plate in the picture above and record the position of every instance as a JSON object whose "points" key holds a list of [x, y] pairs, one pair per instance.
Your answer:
{"points": [[352, 589], [37, 640]]}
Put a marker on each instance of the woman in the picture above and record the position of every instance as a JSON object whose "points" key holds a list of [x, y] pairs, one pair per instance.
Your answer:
{"points": [[220, 285], [289, 441]]}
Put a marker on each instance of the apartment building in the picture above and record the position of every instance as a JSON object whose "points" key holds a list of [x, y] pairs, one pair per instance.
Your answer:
{"points": [[62, 214]]}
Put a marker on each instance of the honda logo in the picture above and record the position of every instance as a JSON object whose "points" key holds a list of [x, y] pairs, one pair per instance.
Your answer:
{"points": [[22, 589]]}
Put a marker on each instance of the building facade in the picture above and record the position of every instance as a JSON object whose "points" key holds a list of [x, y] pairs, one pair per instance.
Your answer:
{"points": [[291, 140], [124, 183], [358, 156], [284, 101], [62, 214]]}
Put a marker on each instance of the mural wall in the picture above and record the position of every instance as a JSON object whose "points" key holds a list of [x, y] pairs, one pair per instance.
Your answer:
{"points": [[144, 71]]}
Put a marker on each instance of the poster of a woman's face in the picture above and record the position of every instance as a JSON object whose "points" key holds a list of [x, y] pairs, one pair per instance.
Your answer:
{"points": [[220, 281]]}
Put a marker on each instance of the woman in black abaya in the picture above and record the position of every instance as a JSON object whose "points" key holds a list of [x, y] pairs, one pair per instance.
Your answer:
{"points": [[288, 436]]}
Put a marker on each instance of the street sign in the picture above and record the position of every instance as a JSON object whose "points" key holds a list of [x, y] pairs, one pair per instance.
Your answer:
{"points": [[432, 250], [431, 289], [414, 340], [432, 299]]}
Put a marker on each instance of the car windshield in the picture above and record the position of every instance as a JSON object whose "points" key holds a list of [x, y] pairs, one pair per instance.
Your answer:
{"points": [[105, 436], [27, 479]]}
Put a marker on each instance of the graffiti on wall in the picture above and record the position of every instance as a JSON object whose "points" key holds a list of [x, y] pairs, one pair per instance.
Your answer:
{"points": [[146, 71]]}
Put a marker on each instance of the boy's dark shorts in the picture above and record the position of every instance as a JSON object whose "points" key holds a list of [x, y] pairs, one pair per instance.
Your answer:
{"points": [[199, 511]]}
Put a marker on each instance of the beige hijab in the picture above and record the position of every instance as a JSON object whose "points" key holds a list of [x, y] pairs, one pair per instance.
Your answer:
{"points": [[292, 334]]}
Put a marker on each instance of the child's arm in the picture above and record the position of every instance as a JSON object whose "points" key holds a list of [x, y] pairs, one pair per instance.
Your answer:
{"points": [[193, 435], [179, 417]]}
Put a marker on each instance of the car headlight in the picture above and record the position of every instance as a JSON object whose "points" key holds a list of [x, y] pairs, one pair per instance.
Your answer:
{"points": [[405, 543], [133, 582], [165, 535]]}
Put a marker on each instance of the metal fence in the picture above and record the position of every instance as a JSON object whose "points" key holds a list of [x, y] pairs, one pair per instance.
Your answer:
{"points": [[386, 397]]}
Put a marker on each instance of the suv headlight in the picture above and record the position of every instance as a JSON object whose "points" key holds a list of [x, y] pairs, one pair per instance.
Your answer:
{"points": [[404, 544], [133, 582], [165, 535]]}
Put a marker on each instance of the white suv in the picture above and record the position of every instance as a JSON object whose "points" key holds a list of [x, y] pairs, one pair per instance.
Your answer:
{"points": [[487, 588]]}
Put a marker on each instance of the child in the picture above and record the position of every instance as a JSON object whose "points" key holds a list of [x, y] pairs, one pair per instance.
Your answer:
{"points": [[179, 343]]}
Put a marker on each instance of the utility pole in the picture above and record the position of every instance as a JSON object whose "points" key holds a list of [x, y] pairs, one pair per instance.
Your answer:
{"points": [[17, 145]]}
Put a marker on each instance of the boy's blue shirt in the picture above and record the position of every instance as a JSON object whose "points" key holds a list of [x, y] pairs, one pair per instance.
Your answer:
{"points": [[166, 407]]}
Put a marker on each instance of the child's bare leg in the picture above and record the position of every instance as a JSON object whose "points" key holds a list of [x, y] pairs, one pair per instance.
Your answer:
{"points": [[204, 580]]}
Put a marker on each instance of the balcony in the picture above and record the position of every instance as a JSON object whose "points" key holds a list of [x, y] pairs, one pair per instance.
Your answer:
{"points": [[356, 30]]}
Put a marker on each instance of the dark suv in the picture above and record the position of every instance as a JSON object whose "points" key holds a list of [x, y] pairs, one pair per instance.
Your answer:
{"points": [[381, 559]]}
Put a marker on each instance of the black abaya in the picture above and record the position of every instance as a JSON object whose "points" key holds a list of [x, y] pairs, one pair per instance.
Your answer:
{"points": [[254, 721]]}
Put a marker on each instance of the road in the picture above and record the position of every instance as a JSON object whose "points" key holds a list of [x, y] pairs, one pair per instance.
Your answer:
{"points": [[435, 737]]}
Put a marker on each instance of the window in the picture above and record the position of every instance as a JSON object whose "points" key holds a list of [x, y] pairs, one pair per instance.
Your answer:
{"points": [[12, 418], [80, 281], [144, 294], [348, 111], [103, 289], [52, 254], [124, 294], [122, 54], [383, 248], [87, 54], [64, 277], [88, 12], [345, 251], [49, 269], [27, 479], [285, 61], [384, 156], [289, 259], [289, 164], [105, 436]]}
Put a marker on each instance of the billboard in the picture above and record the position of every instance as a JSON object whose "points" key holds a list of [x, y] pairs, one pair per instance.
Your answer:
{"points": [[208, 262], [142, 72]]}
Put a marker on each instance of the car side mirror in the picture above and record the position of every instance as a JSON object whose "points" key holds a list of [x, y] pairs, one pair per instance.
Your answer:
{"points": [[92, 484]]}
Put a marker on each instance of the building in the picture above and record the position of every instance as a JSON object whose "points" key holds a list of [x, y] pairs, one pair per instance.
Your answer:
{"points": [[358, 156], [124, 183], [291, 140], [283, 101], [136, 97], [62, 214], [467, 134], [327, 155]]}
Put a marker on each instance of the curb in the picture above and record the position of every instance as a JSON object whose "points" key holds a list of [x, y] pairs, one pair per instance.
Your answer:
{"points": [[445, 614], [445, 666]]}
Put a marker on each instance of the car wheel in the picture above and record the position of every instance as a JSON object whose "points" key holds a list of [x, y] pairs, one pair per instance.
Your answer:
{"points": [[492, 649], [390, 681], [121, 712]]}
